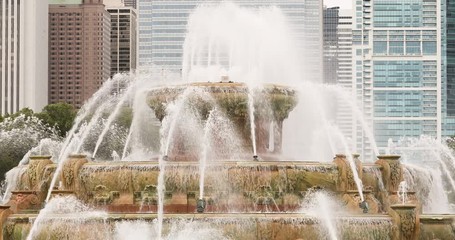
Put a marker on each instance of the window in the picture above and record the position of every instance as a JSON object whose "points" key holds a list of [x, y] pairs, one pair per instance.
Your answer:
{"points": [[396, 48], [380, 47], [429, 48]]}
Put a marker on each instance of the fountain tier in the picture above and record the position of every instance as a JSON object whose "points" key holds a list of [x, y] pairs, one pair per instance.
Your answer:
{"points": [[271, 103], [242, 197]]}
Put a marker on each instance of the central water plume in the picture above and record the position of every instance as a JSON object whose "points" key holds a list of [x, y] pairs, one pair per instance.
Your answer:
{"points": [[248, 45]]}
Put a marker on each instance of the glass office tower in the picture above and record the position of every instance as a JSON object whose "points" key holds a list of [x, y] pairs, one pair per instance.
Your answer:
{"points": [[398, 68]]}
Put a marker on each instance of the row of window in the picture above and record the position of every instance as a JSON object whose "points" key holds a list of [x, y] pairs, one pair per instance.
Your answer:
{"points": [[404, 47]]}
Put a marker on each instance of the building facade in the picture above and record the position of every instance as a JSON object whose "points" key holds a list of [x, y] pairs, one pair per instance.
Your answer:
{"points": [[448, 68], [123, 39], [162, 29], [79, 50], [330, 36], [23, 55], [398, 68], [130, 3]]}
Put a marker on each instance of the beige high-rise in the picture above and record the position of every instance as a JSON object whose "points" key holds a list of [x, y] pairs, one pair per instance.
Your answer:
{"points": [[79, 50]]}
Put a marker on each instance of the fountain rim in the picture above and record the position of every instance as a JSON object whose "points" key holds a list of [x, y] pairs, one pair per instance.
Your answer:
{"points": [[245, 163], [40, 157], [25, 217], [403, 206], [389, 157]]}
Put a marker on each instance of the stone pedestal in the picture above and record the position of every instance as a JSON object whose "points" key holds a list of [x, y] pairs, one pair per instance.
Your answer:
{"points": [[36, 175], [406, 221], [392, 175], [346, 180], [70, 171], [392, 171]]}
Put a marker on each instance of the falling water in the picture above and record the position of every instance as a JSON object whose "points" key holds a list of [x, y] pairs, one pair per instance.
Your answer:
{"points": [[205, 147], [358, 115], [93, 121], [427, 152], [251, 117], [176, 111], [428, 185], [112, 117], [12, 177], [272, 136], [85, 111]]}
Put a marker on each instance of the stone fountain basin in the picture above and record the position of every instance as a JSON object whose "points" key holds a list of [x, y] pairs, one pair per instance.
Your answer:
{"points": [[234, 225]]}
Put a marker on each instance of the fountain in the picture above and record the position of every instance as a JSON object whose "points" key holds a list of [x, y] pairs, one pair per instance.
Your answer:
{"points": [[209, 159]]}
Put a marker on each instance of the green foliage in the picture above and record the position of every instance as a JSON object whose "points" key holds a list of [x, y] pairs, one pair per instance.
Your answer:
{"points": [[27, 112], [58, 115]]}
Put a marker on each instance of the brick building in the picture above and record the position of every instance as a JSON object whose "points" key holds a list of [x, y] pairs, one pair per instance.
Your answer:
{"points": [[79, 50]]}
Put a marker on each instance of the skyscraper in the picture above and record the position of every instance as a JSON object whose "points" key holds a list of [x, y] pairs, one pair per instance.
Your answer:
{"points": [[398, 77], [330, 36], [79, 50], [23, 61], [448, 68], [162, 29], [123, 39]]}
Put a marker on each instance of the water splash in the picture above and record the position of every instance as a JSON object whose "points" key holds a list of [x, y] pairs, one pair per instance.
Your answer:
{"points": [[319, 205], [69, 207]]}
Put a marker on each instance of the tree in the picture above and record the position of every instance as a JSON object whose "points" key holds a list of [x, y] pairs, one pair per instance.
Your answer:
{"points": [[58, 115], [26, 112]]}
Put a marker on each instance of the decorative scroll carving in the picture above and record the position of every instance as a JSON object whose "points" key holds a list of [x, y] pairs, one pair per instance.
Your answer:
{"points": [[392, 172], [35, 171], [395, 174], [405, 216], [408, 224], [71, 170], [102, 195]]}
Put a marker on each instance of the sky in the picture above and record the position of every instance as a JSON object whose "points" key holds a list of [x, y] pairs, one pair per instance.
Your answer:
{"points": [[346, 4]]}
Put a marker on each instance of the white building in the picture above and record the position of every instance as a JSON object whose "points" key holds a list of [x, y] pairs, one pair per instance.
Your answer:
{"points": [[24, 55]]}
